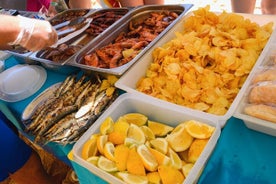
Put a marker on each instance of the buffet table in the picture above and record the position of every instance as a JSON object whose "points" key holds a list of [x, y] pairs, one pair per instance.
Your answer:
{"points": [[240, 156]]}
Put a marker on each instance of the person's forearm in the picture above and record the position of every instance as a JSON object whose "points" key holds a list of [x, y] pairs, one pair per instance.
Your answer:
{"points": [[8, 33], [85, 4]]}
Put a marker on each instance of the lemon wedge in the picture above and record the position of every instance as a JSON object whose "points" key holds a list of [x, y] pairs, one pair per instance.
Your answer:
{"points": [[109, 150], [134, 163], [187, 168], [169, 174], [136, 118], [101, 140], [154, 177], [119, 133], [120, 156], [159, 129], [132, 178], [176, 161], [89, 148], [161, 158], [107, 126], [134, 132], [149, 161], [160, 144], [147, 132], [199, 130], [196, 148], [106, 164], [179, 139], [93, 160]]}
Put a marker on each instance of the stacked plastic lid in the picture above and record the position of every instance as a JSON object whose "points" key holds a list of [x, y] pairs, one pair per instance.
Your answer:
{"points": [[21, 81]]}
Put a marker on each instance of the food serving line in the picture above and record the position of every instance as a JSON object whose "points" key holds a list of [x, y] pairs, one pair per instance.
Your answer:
{"points": [[240, 155]]}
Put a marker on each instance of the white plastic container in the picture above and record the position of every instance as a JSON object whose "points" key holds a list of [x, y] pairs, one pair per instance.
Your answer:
{"points": [[252, 122], [155, 111], [129, 80]]}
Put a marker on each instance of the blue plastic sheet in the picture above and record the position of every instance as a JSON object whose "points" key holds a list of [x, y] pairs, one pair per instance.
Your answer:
{"points": [[241, 155]]}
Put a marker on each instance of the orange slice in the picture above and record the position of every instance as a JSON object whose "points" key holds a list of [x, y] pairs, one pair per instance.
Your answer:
{"points": [[149, 161], [199, 130], [159, 129]]}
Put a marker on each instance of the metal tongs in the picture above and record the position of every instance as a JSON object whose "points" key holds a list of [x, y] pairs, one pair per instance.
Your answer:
{"points": [[69, 23], [75, 32], [70, 26]]}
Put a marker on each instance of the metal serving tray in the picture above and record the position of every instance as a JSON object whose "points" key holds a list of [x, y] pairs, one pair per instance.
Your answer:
{"points": [[82, 39], [137, 14]]}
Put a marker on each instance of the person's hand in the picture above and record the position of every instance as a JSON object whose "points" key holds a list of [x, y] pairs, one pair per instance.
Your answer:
{"points": [[35, 34]]}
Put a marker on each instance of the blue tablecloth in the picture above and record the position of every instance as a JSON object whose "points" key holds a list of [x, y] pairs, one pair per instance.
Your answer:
{"points": [[240, 156]]}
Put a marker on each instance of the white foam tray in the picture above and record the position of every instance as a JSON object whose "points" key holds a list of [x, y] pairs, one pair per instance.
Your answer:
{"points": [[155, 111]]}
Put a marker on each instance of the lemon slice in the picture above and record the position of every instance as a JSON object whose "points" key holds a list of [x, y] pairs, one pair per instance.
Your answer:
{"points": [[132, 178], [149, 161], [179, 139], [159, 129], [169, 174], [148, 132], [187, 168], [106, 164], [136, 118], [93, 160], [109, 150], [134, 132], [161, 158], [89, 148], [129, 142], [107, 126], [101, 140], [176, 161], [199, 130], [160, 144]]}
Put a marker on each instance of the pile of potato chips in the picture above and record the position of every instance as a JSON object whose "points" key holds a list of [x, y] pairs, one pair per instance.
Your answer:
{"points": [[206, 64]]}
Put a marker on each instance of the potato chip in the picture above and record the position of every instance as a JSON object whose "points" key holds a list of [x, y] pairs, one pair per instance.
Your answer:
{"points": [[206, 64]]}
